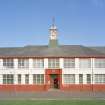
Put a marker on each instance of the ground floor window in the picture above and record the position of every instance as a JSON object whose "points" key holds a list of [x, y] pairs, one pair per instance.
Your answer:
{"points": [[88, 78], [8, 79], [69, 78], [80, 78], [99, 78], [27, 79], [19, 78], [38, 78]]}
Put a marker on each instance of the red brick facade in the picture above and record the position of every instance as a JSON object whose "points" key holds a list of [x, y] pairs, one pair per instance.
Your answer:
{"points": [[35, 88]]}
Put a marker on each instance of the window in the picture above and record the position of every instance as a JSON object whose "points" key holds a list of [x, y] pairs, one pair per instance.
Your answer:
{"points": [[53, 63], [8, 63], [23, 63], [69, 63], [38, 63], [69, 78], [85, 63], [27, 79], [38, 78], [8, 79], [99, 63], [19, 78], [100, 78], [88, 78], [80, 78]]}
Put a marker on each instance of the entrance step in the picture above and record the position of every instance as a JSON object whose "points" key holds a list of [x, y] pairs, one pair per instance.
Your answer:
{"points": [[54, 90]]}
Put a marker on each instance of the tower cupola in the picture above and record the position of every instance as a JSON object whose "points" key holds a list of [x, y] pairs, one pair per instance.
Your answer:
{"points": [[53, 41]]}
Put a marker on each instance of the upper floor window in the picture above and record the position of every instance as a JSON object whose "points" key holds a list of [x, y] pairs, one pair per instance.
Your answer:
{"points": [[85, 63], [69, 63], [99, 63], [23, 63], [53, 63], [8, 63], [38, 63]]}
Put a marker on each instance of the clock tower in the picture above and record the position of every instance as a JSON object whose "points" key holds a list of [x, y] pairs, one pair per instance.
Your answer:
{"points": [[53, 42]]}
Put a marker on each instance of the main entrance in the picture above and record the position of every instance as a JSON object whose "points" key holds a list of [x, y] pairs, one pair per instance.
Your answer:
{"points": [[54, 81], [53, 78]]}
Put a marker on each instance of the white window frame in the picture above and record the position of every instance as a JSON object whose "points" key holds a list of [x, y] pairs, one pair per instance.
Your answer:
{"points": [[23, 63], [100, 78], [85, 63], [99, 62], [19, 78], [8, 79], [69, 62], [88, 78], [26, 78], [69, 78], [38, 63], [38, 79], [8, 63], [53, 63]]}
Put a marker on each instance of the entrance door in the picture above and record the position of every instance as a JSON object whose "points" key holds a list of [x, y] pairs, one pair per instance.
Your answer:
{"points": [[54, 81]]}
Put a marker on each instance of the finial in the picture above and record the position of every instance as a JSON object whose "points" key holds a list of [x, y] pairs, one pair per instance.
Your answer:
{"points": [[53, 21]]}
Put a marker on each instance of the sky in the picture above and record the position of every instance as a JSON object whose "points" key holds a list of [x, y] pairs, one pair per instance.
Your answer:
{"points": [[27, 22]]}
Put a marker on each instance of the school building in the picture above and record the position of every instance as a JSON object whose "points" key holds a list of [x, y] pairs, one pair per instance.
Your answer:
{"points": [[52, 66]]}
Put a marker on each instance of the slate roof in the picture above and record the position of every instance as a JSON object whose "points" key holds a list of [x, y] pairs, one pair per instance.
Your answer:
{"points": [[60, 51]]}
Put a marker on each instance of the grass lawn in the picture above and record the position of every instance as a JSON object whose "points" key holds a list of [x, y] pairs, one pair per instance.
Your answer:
{"points": [[52, 102]]}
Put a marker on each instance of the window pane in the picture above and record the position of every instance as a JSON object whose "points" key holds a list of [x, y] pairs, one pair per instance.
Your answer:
{"points": [[88, 78], [8, 63], [38, 78], [23, 63], [80, 78], [26, 79], [19, 78], [8, 79], [69, 78], [85, 63], [99, 63], [69, 63], [53, 63], [100, 78], [38, 63]]}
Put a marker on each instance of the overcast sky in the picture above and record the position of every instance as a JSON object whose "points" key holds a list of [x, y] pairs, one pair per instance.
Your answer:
{"points": [[27, 22]]}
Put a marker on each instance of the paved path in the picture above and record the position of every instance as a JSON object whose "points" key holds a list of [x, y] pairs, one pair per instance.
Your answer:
{"points": [[51, 95]]}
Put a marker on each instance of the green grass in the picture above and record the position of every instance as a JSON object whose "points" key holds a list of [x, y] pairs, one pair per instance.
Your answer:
{"points": [[52, 102]]}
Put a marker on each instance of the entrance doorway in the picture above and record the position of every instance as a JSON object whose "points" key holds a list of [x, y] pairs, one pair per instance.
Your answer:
{"points": [[54, 81]]}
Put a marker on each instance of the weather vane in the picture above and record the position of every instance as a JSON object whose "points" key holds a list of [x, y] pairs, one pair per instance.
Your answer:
{"points": [[53, 21]]}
